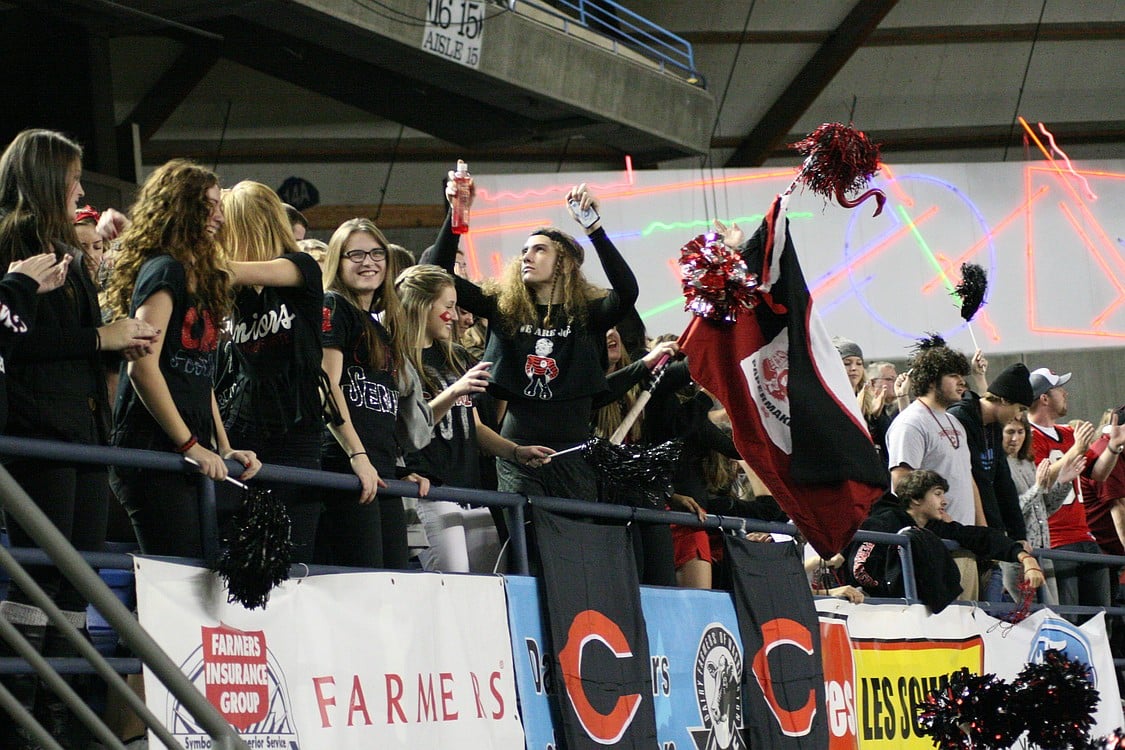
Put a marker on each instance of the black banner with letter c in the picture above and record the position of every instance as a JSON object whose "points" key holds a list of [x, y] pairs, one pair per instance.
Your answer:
{"points": [[783, 681], [602, 672]]}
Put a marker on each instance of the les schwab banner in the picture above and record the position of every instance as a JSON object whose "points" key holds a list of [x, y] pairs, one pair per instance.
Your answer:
{"points": [[880, 662], [358, 660]]}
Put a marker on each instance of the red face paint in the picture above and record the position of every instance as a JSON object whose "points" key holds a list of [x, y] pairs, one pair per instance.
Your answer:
{"points": [[446, 317]]}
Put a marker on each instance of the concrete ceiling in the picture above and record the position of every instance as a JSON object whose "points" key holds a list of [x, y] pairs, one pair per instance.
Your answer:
{"points": [[932, 81]]}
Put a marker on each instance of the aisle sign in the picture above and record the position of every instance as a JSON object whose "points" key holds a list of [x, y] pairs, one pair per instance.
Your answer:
{"points": [[455, 30]]}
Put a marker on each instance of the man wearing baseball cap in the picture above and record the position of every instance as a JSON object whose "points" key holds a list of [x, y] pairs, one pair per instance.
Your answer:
{"points": [[1008, 396], [1078, 582]]}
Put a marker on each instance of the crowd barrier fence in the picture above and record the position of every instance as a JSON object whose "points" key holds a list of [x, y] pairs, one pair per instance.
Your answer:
{"points": [[79, 568]]}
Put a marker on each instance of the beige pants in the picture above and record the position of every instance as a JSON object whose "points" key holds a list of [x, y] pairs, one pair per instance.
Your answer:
{"points": [[970, 578]]}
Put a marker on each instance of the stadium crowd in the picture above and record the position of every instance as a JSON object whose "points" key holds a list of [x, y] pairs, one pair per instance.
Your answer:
{"points": [[201, 322]]}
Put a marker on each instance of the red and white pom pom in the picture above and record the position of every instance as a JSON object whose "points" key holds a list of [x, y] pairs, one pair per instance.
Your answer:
{"points": [[839, 159], [716, 282]]}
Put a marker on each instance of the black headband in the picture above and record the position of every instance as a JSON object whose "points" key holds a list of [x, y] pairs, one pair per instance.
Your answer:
{"points": [[567, 243]]}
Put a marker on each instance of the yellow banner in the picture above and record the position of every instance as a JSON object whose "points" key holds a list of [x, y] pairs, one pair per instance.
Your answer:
{"points": [[893, 678]]}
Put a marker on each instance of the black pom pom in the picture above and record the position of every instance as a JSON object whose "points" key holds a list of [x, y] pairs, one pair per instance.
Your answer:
{"points": [[971, 290], [971, 711], [258, 551], [633, 474], [1055, 700]]}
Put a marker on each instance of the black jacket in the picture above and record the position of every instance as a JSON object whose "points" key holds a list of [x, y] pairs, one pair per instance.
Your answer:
{"points": [[998, 495], [877, 569], [56, 376]]}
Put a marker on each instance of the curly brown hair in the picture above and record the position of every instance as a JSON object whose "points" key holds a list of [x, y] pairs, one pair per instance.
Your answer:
{"points": [[514, 298], [170, 217], [930, 365]]}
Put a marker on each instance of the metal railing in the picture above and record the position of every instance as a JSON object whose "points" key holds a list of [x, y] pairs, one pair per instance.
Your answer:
{"points": [[621, 25], [54, 549]]}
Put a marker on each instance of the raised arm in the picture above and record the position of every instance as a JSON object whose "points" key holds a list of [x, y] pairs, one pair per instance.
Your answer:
{"points": [[622, 282]]}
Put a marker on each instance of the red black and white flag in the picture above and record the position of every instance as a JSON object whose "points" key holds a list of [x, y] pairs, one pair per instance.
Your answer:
{"points": [[783, 681], [600, 644], [795, 418]]}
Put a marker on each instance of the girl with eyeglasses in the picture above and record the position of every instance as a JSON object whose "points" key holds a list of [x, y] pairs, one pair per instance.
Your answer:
{"points": [[369, 364], [275, 405]]}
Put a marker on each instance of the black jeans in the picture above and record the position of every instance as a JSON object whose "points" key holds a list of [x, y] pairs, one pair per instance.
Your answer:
{"points": [[363, 536], [76, 499], [164, 510]]}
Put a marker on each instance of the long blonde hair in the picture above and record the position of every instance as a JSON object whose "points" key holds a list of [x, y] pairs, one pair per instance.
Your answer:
{"points": [[255, 227], [170, 218], [385, 300], [514, 297], [418, 287]]}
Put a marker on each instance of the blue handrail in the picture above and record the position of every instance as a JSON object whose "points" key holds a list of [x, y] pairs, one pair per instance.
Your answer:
{"points": [[614, 20]]}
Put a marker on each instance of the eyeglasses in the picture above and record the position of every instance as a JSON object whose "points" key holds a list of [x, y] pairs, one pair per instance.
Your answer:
{"points": [[358, 256]]}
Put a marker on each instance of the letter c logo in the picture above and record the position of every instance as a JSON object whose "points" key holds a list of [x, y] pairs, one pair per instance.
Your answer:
{"points": [[785, 632], [591, 625]]}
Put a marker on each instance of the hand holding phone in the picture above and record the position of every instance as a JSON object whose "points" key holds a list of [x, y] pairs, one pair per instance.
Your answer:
{"points": [[587, 217]]}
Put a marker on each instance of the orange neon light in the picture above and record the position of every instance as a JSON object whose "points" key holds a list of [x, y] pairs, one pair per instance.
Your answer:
{"points": [[1088, 216], [987, 325], [871, 253], [902, 196], [929, 285], [616, 190], [1090, 246]]}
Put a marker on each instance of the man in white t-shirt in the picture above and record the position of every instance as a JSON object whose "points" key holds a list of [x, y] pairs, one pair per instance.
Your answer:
{"points": [[925, 436]]}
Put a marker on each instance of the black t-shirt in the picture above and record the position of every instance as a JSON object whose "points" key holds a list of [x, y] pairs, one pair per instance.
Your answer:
{"points": [[452, 455], [187, 362], [276, 337], [371, 395]]}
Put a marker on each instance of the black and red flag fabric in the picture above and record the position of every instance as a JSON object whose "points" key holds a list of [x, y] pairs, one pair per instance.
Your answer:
{"points": [[783, 681], [795, 418], [602, 672]]}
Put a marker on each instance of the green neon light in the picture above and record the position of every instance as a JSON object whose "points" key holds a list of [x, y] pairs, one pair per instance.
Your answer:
{"points": [[926, 249], [660, 226], [676, 302]]}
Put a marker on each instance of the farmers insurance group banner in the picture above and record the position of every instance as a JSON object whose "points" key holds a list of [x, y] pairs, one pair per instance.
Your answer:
{"points": [[425, 661], [358, 660]]}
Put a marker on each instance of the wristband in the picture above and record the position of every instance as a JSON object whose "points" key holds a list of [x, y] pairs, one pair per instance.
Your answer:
{"points": [[187, 446], [1117, 452], [357, 453], [515, 454]]}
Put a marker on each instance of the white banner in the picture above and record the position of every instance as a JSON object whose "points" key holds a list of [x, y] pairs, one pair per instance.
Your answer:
{"points": [[880, 662], [455, 30], [357, 660]]}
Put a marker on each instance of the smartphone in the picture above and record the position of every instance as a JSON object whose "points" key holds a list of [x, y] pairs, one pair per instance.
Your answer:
{"points": [[587, 218]]}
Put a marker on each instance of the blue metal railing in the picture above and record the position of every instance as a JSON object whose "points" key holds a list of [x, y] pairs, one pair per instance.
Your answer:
{"points": [[636, 32]]}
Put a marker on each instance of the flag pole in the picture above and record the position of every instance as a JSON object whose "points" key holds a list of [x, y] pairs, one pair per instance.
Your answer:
{"points": [[634, 413]]}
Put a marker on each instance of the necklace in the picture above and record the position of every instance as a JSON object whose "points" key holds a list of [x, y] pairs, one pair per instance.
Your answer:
{"points": [[951, 434]]}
